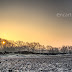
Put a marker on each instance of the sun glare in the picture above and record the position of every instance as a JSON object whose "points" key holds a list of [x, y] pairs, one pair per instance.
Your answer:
{"points": [[3, 42]]}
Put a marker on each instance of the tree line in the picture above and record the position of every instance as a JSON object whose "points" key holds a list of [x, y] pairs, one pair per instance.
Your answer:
{"points": [[34, 47]]}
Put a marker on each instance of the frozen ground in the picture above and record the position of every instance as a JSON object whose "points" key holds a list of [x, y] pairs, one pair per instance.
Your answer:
{"points": [[35, 63]]}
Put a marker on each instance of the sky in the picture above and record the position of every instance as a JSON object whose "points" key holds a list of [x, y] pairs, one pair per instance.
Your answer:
{"points": [[48, 22]]}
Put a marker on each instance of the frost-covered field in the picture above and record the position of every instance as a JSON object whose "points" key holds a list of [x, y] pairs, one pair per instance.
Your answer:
{"points": [[35, 63]]}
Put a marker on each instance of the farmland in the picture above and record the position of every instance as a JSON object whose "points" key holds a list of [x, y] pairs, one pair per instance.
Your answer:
{"points": [[35, 63]]}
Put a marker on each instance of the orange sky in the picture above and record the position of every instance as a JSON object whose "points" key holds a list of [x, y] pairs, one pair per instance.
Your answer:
{"points": [[33, 23]]}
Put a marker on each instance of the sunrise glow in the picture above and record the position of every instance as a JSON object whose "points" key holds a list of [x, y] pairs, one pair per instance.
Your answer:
{"points": [[35, 21], [3, 42]]}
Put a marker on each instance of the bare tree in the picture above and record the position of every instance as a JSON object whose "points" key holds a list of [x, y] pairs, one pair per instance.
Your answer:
{"points": [[64, 49]]}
